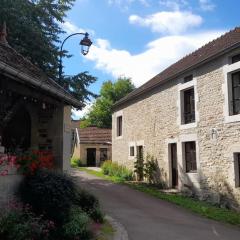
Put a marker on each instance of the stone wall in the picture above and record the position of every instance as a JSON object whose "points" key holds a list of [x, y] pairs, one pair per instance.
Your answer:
{"points": [[83, 152], [153, 121], [8, 187], [54, 134], [80, 152]]}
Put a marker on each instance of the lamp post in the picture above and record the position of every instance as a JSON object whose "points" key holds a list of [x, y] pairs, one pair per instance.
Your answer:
{"points": [[85, 43]]}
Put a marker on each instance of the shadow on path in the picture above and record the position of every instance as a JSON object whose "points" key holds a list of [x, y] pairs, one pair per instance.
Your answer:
{"points": [[148, 218]]}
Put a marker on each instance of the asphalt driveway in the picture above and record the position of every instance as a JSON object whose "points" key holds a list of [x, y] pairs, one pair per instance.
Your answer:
{"points": [[147, 218]]}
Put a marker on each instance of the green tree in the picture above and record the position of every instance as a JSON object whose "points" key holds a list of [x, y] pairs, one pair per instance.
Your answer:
{"points": [[34, 29], [100, 114], [78, 86]]}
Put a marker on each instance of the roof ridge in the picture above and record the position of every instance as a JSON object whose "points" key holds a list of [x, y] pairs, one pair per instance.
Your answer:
{"points": [[200, 55], [40, 71], [203, 46]]}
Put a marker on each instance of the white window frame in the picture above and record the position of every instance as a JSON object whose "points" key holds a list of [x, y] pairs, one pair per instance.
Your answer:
{"points": [[118, 114], [169, 160], [228, 70], [183, 140], [180, 103]]}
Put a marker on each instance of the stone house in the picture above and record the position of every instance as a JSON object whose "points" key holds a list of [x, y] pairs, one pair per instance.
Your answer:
{"points": [[35, 113], [92, 145], [188, 118]]}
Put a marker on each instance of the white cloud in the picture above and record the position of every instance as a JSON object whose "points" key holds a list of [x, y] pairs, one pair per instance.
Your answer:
{"points": [[168, 22], [76, 114], [207, 5], [70, 28], [158, 55], [125, 4], [175, 5]]}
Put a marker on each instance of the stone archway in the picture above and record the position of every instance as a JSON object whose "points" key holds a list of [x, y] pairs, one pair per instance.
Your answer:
{"points": [[17, 132]]}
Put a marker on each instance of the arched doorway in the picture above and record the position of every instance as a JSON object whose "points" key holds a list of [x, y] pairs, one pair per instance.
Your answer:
{"points": [[17, 133]]}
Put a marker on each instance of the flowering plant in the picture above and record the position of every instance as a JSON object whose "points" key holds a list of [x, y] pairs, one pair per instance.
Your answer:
{"points": [[19, 222], [7, 162], [31, 161]]}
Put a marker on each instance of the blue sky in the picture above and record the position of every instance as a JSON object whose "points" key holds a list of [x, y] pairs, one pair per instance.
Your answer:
{"points": [[140, 38]]}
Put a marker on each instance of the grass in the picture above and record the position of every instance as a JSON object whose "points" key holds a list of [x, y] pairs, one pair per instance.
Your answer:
{"points": [[101, 175], [200, 207], [106, 231]]}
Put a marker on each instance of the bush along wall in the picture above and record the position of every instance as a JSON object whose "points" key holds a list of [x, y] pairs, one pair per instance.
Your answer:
{"points": [[113, 169], [60, 210]]}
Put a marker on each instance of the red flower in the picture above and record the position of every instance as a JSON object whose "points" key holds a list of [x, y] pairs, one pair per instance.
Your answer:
{"points": [[4, 173]]}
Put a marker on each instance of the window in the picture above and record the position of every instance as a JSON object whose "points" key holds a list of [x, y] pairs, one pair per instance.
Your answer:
{"points": [[236, 58], [131, 151], [103, 154], [188, 78], [235, 102], [189, 106], [119, 126], [237, 169], [190, 156]]}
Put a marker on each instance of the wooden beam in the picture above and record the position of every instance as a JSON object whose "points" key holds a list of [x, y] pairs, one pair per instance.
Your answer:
{"points": [[32, 92]]}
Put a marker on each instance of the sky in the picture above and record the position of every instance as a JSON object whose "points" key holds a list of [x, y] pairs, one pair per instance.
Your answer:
{"points": [[140, 38]]}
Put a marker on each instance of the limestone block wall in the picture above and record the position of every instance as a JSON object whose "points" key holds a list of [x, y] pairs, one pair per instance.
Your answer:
{"points": [[153, 121], [83, 152]]}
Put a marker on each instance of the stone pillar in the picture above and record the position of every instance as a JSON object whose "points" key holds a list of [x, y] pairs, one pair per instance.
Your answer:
{"points": [[60, 130], [56, 132], [67, 138], [97, 157]]}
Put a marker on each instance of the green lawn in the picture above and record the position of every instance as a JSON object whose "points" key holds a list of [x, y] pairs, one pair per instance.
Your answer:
{"points": [[202, 208], [101, 175]]}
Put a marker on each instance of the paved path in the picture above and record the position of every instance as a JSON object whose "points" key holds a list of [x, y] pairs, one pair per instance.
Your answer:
{"points": [[147, 218]]}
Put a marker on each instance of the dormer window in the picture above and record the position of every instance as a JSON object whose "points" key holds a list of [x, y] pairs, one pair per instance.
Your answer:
{"points": [[236, 58]]}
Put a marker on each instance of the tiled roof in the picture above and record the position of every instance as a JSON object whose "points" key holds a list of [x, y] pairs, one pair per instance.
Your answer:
{"points": [[10, 59], [226, 42], [95, 135]]}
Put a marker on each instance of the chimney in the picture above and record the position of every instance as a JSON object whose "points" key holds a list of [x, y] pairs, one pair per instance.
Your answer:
{"points": [[3, 34]]}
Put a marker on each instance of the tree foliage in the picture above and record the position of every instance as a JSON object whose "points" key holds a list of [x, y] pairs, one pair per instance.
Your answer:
{"points": [[100, 114], [34, 29], [78, 85]]}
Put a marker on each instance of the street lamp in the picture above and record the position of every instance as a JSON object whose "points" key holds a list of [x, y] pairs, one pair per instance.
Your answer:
{"points": [[85, 45]]}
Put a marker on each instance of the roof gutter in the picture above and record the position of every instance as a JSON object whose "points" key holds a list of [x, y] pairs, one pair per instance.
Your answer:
{"points": [[40, 84], [120, 102]]}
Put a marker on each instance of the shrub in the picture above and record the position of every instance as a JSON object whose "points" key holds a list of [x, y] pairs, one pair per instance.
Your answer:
{"points": [[150, 169], [113, 169], [48, 192], [76, 162], [139, 167], [106, 167], [22, 224], [78, 225], [89, 204], [96, 215]]}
